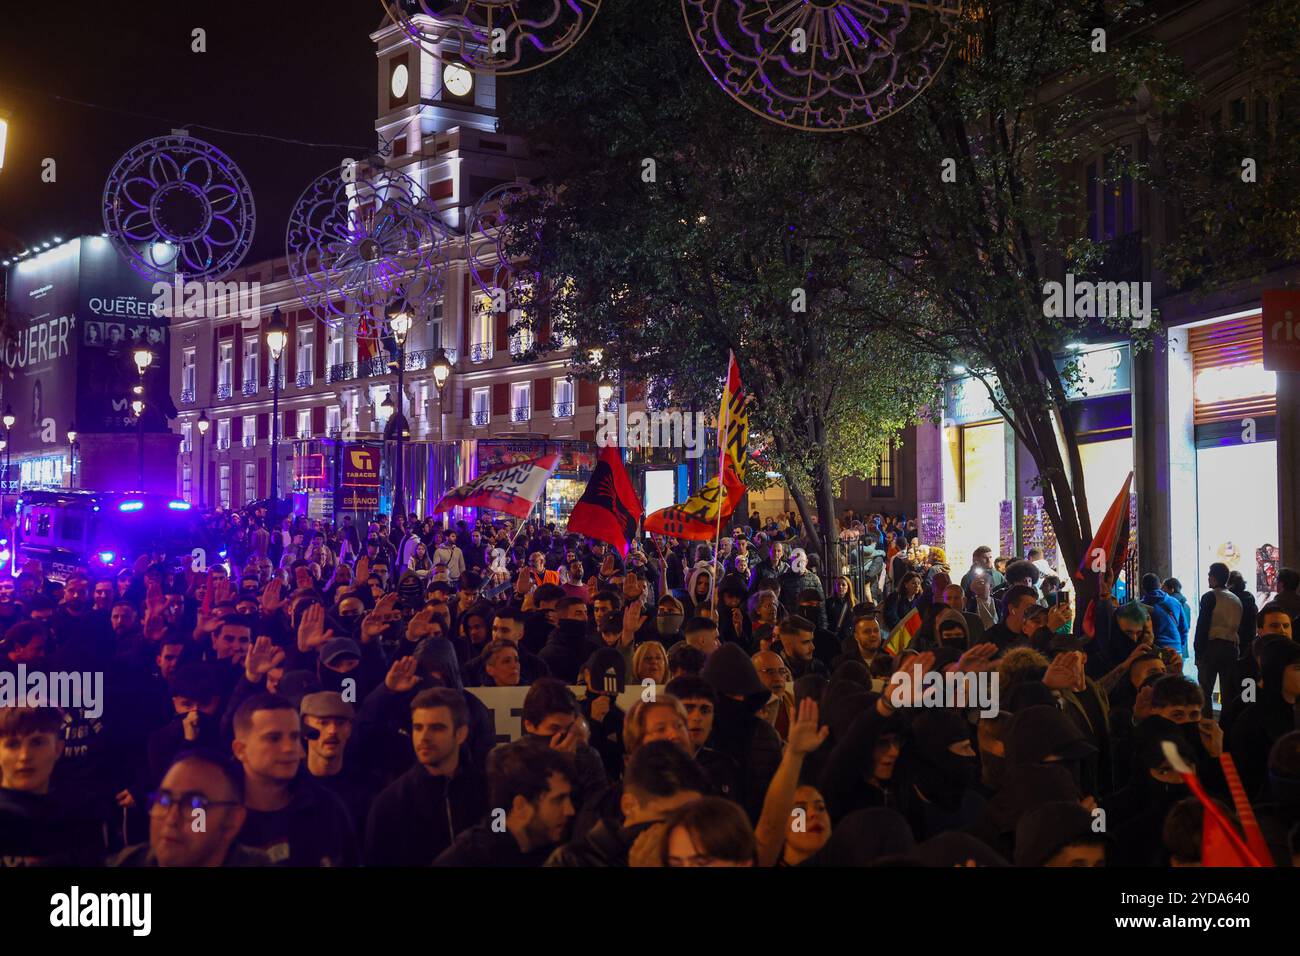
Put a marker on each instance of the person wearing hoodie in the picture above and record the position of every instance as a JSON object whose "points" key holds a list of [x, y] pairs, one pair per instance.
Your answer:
{"points": [[196, 699], [1059, 833], [699, 590], [733, 622], [1278, 807], [1261, 724], [738, 729], [568, 645], [859, 772], [604, 675], [419, 814], [865, 837], [1135, 815], [802, 577], [661, 777]]}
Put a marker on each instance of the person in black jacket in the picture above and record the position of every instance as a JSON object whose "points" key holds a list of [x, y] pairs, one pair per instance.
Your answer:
{"points": [[738, 730], [531, 792], [290, 816], [569, 645], [660, 777], [421, 812]]}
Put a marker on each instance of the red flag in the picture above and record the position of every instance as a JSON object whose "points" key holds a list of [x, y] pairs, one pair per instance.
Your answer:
{"points": [[1111, 538], [1245, 813], [1221, 844], [609, 509], [512, 489]]}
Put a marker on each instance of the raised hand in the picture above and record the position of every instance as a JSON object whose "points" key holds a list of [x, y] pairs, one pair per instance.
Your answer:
{"points": [[271, 600], [910, 668], [262, 658], [421, 625], [385, 612], [1211, 736], [804, 736], [190, 725], [311, 629], [1142, 705], [978, 658], [401, 677]]}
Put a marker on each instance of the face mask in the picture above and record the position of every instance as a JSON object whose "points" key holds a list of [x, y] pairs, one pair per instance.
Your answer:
{"points": [[668, 623]]}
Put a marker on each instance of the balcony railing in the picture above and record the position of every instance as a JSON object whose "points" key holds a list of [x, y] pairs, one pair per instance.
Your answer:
{"points": [[250, 385], [521, 414], [270, 379], [187, 396], [305, 378], [341, 372], [481, 418], [223, 444], [250, 441], [562, 410], [223, 391], [480, 352]]}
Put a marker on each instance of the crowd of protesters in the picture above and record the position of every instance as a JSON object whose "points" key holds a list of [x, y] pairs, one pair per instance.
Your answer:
{"points": [[308, 699]]}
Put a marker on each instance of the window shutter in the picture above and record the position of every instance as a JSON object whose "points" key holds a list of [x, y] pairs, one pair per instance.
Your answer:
{"points": [[318, 420], [587, 394], [501, 399], [261, 476], [469, 402], [262, 428], [319, 351], [237, 361], [503, 332], [236, 430], [542, 393], [1224, 345]]}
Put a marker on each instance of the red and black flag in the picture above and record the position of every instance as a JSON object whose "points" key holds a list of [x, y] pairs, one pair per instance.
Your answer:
{"points": [[609, 509], [1109, 547]]}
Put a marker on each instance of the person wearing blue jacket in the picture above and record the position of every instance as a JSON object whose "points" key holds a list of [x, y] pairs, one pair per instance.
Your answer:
{"points": [[1166, 617], [1174, 588]]}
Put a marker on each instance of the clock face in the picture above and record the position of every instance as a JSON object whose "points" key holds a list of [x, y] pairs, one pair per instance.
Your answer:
{"points": [[458, 80], [399, 81]]}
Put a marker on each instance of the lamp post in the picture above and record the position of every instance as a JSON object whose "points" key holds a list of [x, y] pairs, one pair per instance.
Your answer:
{"points": [[441, 372], [204, 425], [277, 336], [9, 419], [400, 323], [143, 359], [72, 453]]}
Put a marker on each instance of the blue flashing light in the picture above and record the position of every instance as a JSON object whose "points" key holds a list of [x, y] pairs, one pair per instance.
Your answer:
{"points": [[179, 505], [130, 506], [96, 507], [221, 554], [107, 557]]}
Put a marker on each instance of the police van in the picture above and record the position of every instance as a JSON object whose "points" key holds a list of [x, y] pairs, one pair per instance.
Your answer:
{"points": [[70, 529]]}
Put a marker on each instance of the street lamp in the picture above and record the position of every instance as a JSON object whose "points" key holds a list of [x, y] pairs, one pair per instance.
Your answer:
{"points": [[72, 453], [441, 372], [606, 392], [143, 359], [8, 419], [277, 337], [4, 135], [204, 425], [400, 323]]}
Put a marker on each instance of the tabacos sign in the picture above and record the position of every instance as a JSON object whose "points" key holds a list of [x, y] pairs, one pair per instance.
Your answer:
{"points": [[1281, 330]]}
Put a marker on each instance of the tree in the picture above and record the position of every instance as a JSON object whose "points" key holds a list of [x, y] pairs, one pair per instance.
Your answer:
{"points": [[676, 226], [983, 208]]}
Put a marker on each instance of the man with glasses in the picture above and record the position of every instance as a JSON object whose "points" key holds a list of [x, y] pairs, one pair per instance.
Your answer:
{"points": [[194, 818]]}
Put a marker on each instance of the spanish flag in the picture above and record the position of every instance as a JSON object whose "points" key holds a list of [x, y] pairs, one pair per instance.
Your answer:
{"points": [[901, 636]]}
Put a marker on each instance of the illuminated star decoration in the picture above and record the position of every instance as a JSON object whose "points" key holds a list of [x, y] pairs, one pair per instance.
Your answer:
{"points": [[822, 65], [175, 204], [360, 246], [501, 37]]}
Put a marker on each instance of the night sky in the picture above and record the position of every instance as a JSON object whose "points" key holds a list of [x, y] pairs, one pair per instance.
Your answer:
{"points": [[301, 71]]}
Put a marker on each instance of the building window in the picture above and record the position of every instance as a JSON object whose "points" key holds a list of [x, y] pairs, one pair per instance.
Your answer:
{"points": [[521, 401], [223, 490], [250, 481], [1111, 196], [250, 366], [223, 434], [304, 423], [250, 431], [481, 406], [187, 482], [522, 338], [225, 368], [333, 420], [187, 437], [882, 479], [562, 398], [188, 381], [435, 325], [306, 355], [334, 347], [481, 324]]}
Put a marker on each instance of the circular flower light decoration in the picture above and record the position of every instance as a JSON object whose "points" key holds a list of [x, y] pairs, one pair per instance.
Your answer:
{"points": [[487, 229], [361, 246], [822, 65], [175, 204], [503, 37]]}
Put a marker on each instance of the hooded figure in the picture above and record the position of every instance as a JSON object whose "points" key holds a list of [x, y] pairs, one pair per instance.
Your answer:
{"points": [[864, 837], [1047, 829], [1260, 724], [799, 579], [1044, 754], [696, 603], [566, 649], [946, 625], [941, 794], [738, 731], [1137, 813]]}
